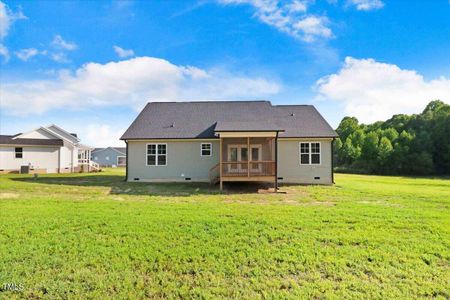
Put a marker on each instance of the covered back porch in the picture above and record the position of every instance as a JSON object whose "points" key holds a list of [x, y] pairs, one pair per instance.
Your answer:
{"points": [[84, 159], [249, 155]]}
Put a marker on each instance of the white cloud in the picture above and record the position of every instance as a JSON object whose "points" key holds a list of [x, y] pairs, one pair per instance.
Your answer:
{"points": [[4, 52], [130, 82], [7, 18], [26, 54], [289, 17], [60, 47], [60, 57], [102, 135], [59, 43], [374, 91], [366, 4], [297, 6], [314, 27], [123, 53]]}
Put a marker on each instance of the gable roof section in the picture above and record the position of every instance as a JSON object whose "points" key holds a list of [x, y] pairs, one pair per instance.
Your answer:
{"points": [[187, 120], [120, 150], [64, 134], [10, 140], [302, 121], [54, 131]]}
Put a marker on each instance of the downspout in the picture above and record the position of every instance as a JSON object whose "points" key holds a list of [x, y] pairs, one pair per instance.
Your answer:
{"points": [[126, 161], [59, 160], [71, 159], [276, 162], [332, 161]]}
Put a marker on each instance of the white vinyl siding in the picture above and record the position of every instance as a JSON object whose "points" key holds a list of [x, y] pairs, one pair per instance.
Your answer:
{"points": [[183, 161]]}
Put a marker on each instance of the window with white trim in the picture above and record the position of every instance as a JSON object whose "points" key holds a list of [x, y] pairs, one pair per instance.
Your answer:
{"points": [[156, 154], [206, 149], [315, 153], [18, 152], [304, 153], [310, 153]]}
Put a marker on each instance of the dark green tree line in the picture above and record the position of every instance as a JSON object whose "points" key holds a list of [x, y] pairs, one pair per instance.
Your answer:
{"points": [[404, 144]]}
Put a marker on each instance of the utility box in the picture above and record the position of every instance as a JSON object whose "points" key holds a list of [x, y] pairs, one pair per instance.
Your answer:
{"points": [[24, 169]]}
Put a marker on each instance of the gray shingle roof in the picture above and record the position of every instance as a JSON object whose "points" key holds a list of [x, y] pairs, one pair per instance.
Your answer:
{"points": [[8, 140], [247, 126], [178, 120], [121, 149]]}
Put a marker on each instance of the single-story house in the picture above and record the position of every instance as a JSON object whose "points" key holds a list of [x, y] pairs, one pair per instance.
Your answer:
{"points": [[110, 156], [48, 149], [221, 141]]}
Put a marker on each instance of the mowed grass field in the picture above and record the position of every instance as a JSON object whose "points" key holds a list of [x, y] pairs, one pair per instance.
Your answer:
{"points": [[93, 236]]}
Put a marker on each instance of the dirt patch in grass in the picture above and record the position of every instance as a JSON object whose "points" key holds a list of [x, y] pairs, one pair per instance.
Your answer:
{"points": [[9, 195], [287, 201], [384, 203], [324, 203]]}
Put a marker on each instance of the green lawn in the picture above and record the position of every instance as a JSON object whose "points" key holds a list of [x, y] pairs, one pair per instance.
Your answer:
{"points": [[94, 236]]}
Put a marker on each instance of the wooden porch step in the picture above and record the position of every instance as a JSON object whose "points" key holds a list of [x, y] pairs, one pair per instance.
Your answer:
{"points": [[251, 178]]}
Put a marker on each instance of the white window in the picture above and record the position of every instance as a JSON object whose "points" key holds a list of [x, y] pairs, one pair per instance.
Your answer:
{"points": [[310, 153], [121, 160], [206, 149], [315, 153], [107, 158], [95, 157], [19, 152], [156, 154]]}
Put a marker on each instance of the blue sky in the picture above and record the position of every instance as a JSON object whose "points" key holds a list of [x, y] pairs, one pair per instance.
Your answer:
{"points": [[90, 66]]}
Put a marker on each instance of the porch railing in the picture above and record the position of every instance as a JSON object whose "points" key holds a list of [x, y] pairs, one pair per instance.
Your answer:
{"points": [[248, 168], [214, 174], [91, 164]]}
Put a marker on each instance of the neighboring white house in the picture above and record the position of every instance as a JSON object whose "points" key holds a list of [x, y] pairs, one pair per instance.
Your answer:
{"points": [[48, 149]]}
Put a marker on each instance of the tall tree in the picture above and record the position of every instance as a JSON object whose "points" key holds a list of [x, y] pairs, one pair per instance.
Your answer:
{"points": [[347, 126], [404, 144]]}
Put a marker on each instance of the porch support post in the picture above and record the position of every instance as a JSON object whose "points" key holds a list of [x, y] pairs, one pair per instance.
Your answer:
{"points": [[276, 162], [220, 163], [248, 157]]}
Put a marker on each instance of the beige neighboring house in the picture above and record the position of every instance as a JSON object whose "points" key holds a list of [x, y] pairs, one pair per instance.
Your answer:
{"points": [[222, 141], [48, 149]]}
